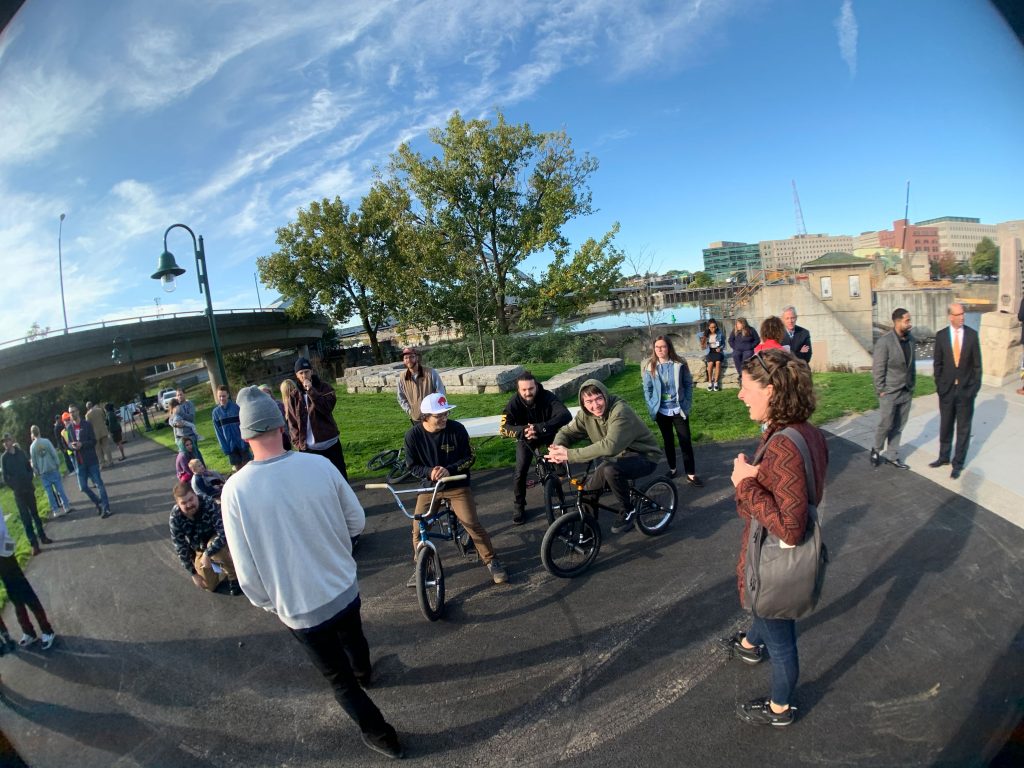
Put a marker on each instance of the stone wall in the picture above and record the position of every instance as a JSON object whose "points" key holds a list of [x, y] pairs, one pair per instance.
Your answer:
{"points": [[567, 385], [464, 381]]}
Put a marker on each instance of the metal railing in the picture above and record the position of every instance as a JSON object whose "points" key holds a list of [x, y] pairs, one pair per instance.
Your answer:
{"points": [[122, 321]]}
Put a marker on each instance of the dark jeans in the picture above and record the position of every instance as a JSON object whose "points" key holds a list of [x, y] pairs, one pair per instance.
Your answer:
{"points": [[615, 475], [779, 637], [87, 472], [681, 427], [25, 499], [334, 455], [238, 458], [524, 456], [339, 650], [23, 596], [955, 409]]}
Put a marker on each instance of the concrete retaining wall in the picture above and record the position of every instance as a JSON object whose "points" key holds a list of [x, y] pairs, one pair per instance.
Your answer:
{"points": [[567, 385]]}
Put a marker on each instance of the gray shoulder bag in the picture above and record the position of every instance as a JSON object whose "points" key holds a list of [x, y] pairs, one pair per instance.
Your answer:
{"points": [[784, 582]]}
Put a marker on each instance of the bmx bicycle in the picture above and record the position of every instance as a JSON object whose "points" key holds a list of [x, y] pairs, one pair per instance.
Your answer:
{"points": [[437, 523], [547, 476], [572, 541], [394, 462]]}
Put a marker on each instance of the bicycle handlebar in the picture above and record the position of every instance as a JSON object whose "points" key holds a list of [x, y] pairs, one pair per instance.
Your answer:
{"points": [[397, 494]]}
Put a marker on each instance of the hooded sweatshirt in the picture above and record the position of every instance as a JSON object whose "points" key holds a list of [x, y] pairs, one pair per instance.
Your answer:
{"points": [[618, 431], [547, 414]]}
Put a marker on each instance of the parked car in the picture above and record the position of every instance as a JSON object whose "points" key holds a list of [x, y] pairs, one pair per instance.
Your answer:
{"points": [[163, 400]]}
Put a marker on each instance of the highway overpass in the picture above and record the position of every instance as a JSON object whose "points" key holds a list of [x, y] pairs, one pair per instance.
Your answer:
{"points": [[30, 364]]}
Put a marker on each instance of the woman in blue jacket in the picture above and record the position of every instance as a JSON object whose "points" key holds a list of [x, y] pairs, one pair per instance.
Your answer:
{"points": [[712, 341], [668, 391], [743, 339]]}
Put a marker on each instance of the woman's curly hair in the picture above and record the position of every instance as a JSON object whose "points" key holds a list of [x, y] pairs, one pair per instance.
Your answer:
{"points": [[792, 400]]}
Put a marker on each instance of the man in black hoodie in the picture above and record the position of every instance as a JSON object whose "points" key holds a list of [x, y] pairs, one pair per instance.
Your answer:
{"points": [[532, 416]]}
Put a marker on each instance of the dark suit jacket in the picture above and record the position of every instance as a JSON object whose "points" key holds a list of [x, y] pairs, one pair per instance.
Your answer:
{"points": [[801, 336], [967, 374]]}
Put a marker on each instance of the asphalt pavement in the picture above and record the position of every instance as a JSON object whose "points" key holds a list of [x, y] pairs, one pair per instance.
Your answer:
{"points": [[914, 657]]}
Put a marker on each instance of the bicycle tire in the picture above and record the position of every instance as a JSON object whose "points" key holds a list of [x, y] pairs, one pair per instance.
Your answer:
{"points": [[382, 460], [430, 583], [554, 499], [655, 513], [399, 474], [570, 544]]}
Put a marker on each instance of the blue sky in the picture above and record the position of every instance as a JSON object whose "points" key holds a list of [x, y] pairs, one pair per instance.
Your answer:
{"points": [[228, 116]]}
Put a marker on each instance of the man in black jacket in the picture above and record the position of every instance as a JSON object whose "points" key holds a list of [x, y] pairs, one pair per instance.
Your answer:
{"points": [[797, 339], [17, 474], [957, 368], [532, 416]]}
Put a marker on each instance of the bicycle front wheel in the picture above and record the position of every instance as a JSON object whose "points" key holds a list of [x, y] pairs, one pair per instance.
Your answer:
{"points": [[554, 499], [430, 583], [570, 545], [655, 513], [382, 460]]}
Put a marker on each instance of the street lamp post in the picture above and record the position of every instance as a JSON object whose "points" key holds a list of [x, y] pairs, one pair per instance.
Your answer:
{"points": [[167, 270], [60, 268], [117, 357]]}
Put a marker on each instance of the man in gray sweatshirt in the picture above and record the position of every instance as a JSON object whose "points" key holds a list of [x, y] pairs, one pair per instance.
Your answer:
{"points": [[285, 508]]}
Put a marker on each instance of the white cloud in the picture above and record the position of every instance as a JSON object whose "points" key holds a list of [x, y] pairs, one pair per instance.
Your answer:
{"points": [[846, 27]]}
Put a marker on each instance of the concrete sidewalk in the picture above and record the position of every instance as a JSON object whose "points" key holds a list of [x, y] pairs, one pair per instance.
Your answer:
{"points": [[914, 657], [993, 477]]}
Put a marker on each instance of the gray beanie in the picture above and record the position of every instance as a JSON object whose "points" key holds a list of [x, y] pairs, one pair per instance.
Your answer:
{"points": [[257, 412]]}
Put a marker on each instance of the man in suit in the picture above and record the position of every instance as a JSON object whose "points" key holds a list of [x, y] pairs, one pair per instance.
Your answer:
{"points": [[894, 375], [957, 381], [798, 339]]}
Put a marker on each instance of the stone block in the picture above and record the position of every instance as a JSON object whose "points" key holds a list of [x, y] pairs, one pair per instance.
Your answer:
{"points": [[493, 374], [452, 377], [464, 389]]}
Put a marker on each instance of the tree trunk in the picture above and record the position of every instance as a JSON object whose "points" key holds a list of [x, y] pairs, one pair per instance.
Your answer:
{"points": [[371, 332]]}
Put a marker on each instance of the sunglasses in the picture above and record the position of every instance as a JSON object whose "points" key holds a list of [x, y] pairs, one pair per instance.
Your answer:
{"points": [[760, 359]]}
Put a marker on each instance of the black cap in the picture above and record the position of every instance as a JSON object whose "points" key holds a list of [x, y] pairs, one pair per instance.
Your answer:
{"points": [[303, 364]]}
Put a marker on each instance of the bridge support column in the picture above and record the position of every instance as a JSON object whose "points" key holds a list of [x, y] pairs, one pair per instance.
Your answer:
{"points": [[210, 361], [302, 351]]}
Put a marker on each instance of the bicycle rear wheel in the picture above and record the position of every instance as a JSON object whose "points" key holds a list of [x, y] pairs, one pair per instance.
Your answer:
{"points": [[382, 460], [655, 513], [430, 583], [554, 499], [570, 544]]}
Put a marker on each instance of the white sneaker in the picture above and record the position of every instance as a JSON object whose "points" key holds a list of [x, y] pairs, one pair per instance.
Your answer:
{"points": [[27, 640], [48, 641]]}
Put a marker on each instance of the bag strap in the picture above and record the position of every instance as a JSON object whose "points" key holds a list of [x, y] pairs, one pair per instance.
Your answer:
{"points": [[798, 440]]}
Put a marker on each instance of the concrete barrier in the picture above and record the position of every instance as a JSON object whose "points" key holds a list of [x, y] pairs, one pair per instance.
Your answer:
{"points": [[567, 384]]}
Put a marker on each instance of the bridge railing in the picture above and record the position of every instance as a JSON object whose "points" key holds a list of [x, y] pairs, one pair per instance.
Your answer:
{"points": [[123, 321]]}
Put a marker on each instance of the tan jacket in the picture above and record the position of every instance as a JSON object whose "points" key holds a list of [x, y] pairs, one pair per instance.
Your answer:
{"points": [[98, 420]]}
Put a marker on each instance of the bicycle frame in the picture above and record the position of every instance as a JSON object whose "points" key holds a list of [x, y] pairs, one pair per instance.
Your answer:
{"points": [[435, 509]]}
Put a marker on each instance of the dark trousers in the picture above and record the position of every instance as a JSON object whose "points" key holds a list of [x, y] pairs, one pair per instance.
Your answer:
{"points": [[25, 499], [524, 456], [339, 650], [334, 455], [615, 475], [779, 637], [955, 409], [24, 597], [671, 426]]}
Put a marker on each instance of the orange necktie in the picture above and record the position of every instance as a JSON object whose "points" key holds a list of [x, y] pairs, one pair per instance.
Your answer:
{"points": [[956, 349]]}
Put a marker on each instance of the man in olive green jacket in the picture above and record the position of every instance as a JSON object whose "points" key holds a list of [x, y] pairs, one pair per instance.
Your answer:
{"points": [[619, 439]]}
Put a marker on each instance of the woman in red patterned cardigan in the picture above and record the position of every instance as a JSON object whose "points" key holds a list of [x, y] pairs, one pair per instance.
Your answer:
{"points": [[772, 489]]}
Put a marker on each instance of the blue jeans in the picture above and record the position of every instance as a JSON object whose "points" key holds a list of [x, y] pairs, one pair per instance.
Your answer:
{"points": [[54, 488], [87, 472], [779, 637]]}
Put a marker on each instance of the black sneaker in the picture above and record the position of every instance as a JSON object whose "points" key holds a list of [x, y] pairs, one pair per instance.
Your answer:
{"points": [[735, 646], [387, 745], [759, 712], [899, 464], [624, 523], [876, 459], [233, 589], [518, 515]]}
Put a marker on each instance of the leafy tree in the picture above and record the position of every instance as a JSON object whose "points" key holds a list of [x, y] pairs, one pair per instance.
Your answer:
{"points": [[496, 194], [701, 280], [944, 265], [340, 261], [985, 260], [570, 285]]}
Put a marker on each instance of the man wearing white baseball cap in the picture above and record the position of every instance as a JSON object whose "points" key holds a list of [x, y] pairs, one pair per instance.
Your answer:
{"points": [[434, 448]]}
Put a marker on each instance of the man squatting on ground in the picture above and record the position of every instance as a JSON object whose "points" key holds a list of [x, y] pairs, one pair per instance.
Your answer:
{"points": [[895, 375], [533, 416], [618, 436], [289, 519], [434, 448], [197, 532]]}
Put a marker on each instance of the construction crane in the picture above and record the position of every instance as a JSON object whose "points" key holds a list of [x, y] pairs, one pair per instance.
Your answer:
{"points": [[801, 229]]}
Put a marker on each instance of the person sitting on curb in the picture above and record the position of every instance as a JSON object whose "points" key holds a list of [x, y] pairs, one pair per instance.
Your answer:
{"points": [[197, 532], [434, 448], [206, 482], [625, 446]]}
